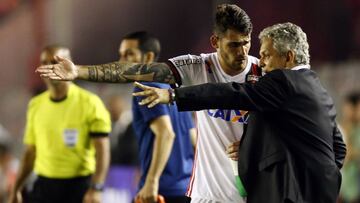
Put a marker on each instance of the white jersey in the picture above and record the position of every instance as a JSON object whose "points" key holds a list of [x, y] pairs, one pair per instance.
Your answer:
{"points": [[213, 179]]}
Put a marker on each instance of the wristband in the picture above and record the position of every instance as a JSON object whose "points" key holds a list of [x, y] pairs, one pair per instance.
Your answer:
{"points": [[97, 186], [171, 96]]}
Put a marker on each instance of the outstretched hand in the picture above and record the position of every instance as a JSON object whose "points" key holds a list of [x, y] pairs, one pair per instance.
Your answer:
{"points": [[153, 95], [63, 70]]}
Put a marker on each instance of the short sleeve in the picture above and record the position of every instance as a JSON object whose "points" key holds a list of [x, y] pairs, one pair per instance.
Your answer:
{"points": [[149, 114], [188, 119], [99, 118], [29, 136], [186, 68]]}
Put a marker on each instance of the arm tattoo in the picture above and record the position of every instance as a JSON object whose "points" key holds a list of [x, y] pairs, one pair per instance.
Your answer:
{"points": [[92, 73], [119, 72]]}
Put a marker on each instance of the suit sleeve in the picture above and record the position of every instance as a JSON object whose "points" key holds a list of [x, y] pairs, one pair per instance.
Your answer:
{"points": [[339, 147], [266, 95]]}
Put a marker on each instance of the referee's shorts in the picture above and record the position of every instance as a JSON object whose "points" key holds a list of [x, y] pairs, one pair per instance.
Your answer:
{"points": [[52, 190]]}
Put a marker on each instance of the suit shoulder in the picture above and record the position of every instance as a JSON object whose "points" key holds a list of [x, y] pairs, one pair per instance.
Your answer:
{"points": [[278, 74], [284, 78]]}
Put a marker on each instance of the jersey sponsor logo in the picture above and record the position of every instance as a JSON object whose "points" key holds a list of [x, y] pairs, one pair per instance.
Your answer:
{"points": [[254, 74], [229, 115], [252, 78], [184, 62]]}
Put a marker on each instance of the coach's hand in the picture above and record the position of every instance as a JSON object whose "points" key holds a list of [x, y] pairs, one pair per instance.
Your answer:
{"points": [[152, 95]]}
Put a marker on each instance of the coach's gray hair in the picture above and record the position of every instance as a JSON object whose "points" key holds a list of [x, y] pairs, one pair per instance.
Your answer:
{"points": [[286, 37]]}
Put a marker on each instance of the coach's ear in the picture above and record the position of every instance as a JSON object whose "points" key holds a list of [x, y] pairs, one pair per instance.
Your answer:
{"points": [[214, 41], [290, 59]]}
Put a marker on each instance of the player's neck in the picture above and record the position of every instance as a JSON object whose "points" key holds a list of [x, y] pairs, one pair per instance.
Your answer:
{"points": [[232, 71]]}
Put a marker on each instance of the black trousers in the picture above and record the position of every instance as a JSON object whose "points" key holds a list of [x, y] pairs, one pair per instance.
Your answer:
{"points": [[49, 190], [175, 199]]}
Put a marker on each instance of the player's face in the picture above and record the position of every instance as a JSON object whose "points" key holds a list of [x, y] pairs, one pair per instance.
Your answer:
{"points": [[233, 49], [270, 59], [129, 51]]}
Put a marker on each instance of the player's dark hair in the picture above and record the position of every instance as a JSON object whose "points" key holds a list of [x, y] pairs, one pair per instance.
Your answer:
{"points": [[55, 47], [147, 42], [230, 16], [353, 98]]}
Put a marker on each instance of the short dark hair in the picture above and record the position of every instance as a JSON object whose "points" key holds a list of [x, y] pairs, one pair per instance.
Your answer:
{"points": [[353, 98], [55, 47], [52, 47], [230, 16], [147, 42], [4, 149]]}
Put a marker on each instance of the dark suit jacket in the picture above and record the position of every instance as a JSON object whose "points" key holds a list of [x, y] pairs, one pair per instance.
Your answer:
{"points": [[292, 149]]}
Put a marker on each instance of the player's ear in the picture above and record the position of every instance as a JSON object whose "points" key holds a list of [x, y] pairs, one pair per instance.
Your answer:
{"points": [[149, 57], [214, 41]]}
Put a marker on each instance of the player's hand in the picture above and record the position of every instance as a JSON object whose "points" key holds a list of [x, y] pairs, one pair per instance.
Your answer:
{"points": [[152, 95], [148, 193], [233, 150], [15, 197], [63, 70], [92, 196]]}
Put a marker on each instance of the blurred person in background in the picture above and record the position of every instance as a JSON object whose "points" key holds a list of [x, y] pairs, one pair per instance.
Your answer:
{"points": [[123, 175], [8, 165], [214, 177], [350, 125], [124, 150], [66, 142], [163, 133]]}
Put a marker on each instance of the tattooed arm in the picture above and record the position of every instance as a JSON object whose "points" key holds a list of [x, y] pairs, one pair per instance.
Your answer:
{"points": [[119, 72], [116, 72]]}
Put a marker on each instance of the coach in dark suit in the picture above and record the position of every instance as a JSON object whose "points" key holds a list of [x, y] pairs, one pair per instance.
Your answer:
{"points": [[292, 150]]}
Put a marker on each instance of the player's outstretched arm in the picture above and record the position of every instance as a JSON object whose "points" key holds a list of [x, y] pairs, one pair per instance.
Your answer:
{"points": [[115, 72]]}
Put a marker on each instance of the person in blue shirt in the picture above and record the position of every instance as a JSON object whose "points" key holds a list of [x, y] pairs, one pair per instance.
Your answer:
{"points": [[165, 136]]}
